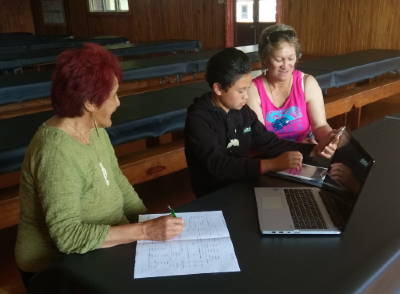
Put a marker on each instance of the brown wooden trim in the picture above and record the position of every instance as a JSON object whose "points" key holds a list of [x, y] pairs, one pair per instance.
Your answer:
{"points": [[229, 23], [278, 11], [10, 179], [109, 14], [360, 96], [9, 207], [376, 91], [153, 162], [337, 105]]}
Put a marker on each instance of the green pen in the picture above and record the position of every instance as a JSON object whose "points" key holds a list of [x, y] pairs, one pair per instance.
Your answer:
{"points": [[172, 211]]}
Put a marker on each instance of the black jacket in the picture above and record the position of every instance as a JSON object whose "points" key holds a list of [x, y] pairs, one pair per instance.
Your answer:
{"points": [[217, 145]]}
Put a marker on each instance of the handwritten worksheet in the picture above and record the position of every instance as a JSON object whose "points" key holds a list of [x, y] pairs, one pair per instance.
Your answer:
{"points": [[204, 246]]}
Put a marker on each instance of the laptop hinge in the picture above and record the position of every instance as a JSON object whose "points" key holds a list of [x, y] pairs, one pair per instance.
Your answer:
{"points": [[334, 213]]}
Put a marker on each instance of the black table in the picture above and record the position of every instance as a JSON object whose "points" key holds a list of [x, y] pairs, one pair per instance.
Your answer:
{"points": [[354, 67], [28, 38], [170, 45], [4, 36], [24, 87], [201, 58], [351, 263], [35, 57], [24, 46], [140, 116], [35, 85]]}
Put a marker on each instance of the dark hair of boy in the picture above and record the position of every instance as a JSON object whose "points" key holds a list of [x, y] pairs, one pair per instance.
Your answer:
{"points": [[226, 67]]}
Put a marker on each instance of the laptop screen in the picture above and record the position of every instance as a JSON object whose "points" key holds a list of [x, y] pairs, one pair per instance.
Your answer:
{"points": [[347, 174]]}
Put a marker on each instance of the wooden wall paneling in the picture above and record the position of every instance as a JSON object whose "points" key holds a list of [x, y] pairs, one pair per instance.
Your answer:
{"points": [[141, 21], [150, 20], [218, 24], [95, 25], [188, 24], [172, 17], [116, 26], [331, 27], [146, 19], [206, 16], [382, 26], [16, 16], [392, 22], [198, 19], [333, 44], [35, 5], [77, 18]]}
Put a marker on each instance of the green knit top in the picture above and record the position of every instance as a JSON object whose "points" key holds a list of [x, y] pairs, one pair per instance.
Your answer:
{"points": [[70, 195]]}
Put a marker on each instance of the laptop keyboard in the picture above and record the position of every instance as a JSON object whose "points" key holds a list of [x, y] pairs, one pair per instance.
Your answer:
{"points": [[304, 209]]}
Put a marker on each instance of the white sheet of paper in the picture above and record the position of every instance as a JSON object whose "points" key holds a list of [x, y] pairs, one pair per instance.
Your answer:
{"points": [[203, 247]]}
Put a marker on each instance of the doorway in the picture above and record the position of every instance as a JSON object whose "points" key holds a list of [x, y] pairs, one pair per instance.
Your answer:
{"points": [[251, 17]]}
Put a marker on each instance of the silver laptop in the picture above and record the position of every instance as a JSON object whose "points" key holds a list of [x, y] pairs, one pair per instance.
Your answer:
{"points": [[324, 210]]}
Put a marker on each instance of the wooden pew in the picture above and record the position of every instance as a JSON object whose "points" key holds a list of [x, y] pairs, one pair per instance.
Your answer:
{"points": [[350, 102]]}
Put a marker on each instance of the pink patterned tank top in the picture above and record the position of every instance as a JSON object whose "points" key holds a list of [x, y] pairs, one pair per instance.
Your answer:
{"points": [[291, 121]]}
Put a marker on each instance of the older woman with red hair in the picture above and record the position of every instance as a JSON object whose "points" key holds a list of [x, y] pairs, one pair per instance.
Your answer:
{"points": [[73, 195]]}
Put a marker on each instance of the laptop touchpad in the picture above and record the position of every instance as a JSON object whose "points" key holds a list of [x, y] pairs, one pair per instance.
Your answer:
{"points": [[272, 202]]}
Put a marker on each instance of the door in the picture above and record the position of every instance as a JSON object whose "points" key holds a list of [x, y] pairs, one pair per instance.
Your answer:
{"points": [[252, 16]]}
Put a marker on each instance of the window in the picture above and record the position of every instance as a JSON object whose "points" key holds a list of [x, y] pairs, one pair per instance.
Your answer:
{"points": [[53, 12], [244, 11], [109, 6], [267, 11]]}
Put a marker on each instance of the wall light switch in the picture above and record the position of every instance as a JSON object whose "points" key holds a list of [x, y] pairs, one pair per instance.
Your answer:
{"points": [[220, 1]]}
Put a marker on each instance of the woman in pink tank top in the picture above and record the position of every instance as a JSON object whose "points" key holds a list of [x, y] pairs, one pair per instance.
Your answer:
{"points": [[287, 101]]}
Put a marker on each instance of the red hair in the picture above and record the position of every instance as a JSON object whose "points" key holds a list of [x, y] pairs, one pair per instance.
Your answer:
{"points": [[81, 75]]}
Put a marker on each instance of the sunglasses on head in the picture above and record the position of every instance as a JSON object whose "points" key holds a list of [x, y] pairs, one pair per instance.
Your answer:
{"points": [[274, 37]]}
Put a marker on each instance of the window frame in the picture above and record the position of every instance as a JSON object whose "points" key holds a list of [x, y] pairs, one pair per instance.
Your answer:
{"points": [[108, 13], [64, 23]]}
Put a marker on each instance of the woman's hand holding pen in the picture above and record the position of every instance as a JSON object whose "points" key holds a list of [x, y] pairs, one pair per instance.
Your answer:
{"points": [[162, 228], [289, 159]]}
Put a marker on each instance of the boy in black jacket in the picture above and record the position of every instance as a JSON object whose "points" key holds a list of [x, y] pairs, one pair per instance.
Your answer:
{"points": [[221, 130]]}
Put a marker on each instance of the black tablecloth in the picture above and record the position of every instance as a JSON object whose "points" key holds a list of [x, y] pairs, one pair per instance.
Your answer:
{"points": [[201, 58], [29, 58], [356, 66], [25, 87], [325, 79], [140, 116], [348, 263], [60, 43], [35, 85], [21, 39], [140, 69], [4, 36], [338, 69], [155, 47], [35, 57]]}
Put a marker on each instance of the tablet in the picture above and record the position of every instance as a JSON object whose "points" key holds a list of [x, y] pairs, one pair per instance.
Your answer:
{"points": [[306, 172]]}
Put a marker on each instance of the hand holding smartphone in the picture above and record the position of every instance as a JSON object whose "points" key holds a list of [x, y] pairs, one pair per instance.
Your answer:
{"points": [[338, 134]]}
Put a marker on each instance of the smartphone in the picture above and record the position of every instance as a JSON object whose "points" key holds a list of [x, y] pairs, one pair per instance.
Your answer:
{"points": [[338, 134]]}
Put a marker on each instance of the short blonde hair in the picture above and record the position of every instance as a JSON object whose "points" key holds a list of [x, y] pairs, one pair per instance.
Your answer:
{"points": [[265, 47]]}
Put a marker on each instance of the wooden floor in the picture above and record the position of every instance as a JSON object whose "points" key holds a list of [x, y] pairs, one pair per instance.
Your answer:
{"points": [[173, 189]]}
